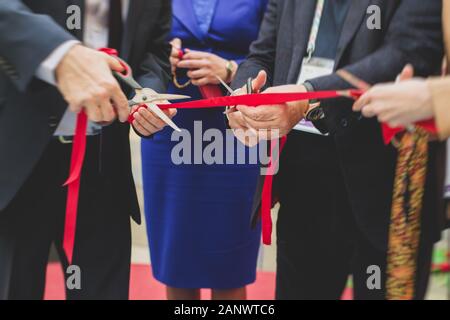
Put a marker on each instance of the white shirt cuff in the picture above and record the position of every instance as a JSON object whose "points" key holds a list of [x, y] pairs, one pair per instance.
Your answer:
{"points": [[46, 70]]}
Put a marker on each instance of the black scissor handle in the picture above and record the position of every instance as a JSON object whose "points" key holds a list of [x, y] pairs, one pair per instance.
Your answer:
{"points": [[249, 86], [127, 76]]}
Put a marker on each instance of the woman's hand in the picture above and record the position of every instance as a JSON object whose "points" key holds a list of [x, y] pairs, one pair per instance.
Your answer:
{"points": [[204, 67], [398, 104], [147, 123], [175, 54]]}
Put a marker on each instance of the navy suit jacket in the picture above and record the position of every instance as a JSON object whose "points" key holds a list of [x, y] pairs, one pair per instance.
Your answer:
{"points": [[30, 109], [410, 33]]}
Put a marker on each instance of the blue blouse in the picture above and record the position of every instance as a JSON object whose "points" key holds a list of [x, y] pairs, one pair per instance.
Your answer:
{"points": [[204, 12]]}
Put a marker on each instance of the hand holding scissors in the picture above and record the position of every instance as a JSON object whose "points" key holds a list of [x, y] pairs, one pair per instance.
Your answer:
{"points": [[248, 136], [146, 116], [85, 81]]}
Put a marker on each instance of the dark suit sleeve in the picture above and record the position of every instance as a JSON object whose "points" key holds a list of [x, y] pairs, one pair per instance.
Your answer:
{"points": [[26, 39], [154, 71], [263, 50], [413, 36]]}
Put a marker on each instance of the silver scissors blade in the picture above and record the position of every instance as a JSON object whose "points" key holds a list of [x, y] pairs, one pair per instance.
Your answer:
{"points": [[231, 91], [147, 95], [154, 98], [154, 108], [162, 97]]}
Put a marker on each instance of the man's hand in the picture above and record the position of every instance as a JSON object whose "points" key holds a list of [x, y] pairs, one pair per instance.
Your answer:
{"points": [[85, 80], [281, 117], [398, 104], [243, 133], [147, 123]]}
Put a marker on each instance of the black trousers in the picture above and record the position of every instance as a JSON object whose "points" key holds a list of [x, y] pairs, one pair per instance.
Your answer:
{"points": [[35, 219], [319, 243]]}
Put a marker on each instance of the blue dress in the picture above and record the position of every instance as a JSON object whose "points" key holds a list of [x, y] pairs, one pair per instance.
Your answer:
{"points": [[198, 215]]}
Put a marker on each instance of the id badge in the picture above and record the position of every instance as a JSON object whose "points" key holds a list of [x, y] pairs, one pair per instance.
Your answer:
{"points": [[313, 68]]}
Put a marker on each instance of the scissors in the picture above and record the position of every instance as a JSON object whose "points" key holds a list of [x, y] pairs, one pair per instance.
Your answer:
{"points": [[146, 96], [248, 87]]}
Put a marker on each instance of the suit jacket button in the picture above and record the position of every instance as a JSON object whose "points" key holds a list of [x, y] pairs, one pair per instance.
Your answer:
{"points": [[53, 121], [344, 123]]}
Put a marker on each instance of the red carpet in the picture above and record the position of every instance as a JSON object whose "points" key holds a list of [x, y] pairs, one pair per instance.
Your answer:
{"points": [[144, 287]]}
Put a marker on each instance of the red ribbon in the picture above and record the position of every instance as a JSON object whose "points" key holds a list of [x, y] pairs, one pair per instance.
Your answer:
{"points": [[180, 54], [73, 182], [252, 100], [390, 133], [257, 99], [210, 91], [266, 201]]}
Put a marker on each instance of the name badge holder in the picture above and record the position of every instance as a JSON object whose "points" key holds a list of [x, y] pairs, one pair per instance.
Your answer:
{"points": [[314, 67]]}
